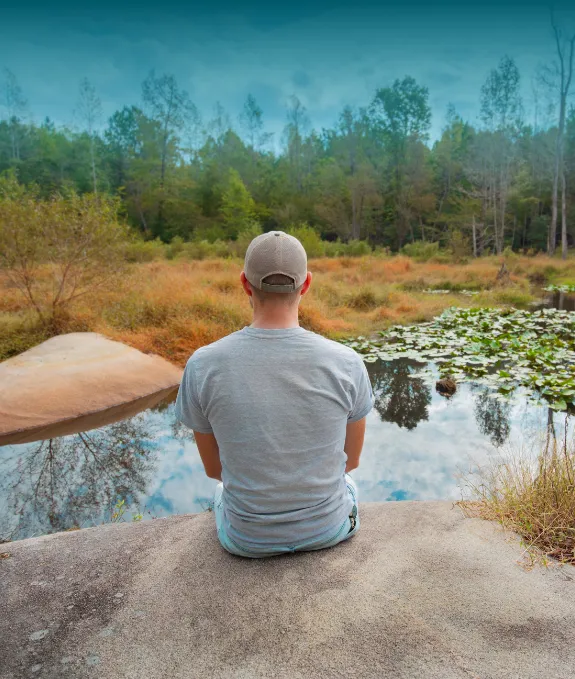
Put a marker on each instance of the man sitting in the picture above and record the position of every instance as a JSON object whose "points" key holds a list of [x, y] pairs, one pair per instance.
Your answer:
{"points": [[278, 415]]}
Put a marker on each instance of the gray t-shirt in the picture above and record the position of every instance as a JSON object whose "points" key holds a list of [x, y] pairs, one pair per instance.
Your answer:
{"points": [[278, 402]]}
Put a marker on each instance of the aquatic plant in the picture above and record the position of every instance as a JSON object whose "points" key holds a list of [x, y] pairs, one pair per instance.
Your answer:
{"points": [[504, 348], [560, 288]]}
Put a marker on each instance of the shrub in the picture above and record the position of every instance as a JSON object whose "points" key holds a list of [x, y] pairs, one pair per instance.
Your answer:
{"points": [[309, 238], [145, 250], [420, 251], [334, 248], [355, 248], [358, 248], [381, 251], [202, 249], [363, 299], [57, 249], [509, 254], [245, 237], [175, 247], [460, 247]]}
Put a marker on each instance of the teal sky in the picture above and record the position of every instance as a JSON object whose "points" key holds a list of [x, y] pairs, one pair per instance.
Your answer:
{"points": [[327, 53]]}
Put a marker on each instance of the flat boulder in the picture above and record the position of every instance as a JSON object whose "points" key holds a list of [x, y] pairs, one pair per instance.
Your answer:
{"points": [[421, 592], [77, 382]]}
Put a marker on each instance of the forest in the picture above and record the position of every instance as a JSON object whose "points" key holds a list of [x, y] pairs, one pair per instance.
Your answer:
{"points": [[505, 180]]}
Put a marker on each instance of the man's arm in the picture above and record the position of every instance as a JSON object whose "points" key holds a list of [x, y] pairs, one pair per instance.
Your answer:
{"points": [[354, 435], [210, 454]]}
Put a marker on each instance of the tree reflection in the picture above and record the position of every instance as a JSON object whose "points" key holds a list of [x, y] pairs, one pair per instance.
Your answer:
{"points": [[492, 415], [399, 398], [179, 430], [75, 480]]}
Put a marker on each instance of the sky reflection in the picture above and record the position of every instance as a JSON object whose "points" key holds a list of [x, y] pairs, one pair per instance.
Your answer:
{"points": [[417, 445]]}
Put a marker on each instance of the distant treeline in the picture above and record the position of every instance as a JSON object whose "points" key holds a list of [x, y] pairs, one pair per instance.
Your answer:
{"points": [[504, 182]]}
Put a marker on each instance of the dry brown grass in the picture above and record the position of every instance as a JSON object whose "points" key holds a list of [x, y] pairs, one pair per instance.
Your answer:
{"points": [[532, 495], [174, 307]]}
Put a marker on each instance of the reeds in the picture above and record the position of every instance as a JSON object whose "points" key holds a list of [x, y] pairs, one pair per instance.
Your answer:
{"points": [[531, 492]]}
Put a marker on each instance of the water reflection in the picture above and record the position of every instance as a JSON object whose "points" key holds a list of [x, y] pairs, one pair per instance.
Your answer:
{"points": [[399, 398], [416, 444], [53, 485], [561, 300], [491, 415]]}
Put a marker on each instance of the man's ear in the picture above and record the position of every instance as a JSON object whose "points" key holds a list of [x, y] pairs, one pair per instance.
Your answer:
{"points": [[246, 285], [306, 284]]}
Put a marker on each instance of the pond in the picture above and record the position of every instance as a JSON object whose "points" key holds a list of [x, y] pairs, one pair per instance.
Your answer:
{"points": [[417, 443]]}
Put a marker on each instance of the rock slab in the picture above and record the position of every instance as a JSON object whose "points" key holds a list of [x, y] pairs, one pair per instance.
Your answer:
{"points": [[420, 592], [77, 382]]}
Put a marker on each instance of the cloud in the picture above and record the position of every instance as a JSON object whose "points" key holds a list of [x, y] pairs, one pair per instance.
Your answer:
{"points": [[330, 55]]}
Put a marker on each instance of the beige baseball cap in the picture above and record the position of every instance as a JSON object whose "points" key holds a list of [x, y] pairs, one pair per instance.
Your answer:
{"points": [[275, 252]]}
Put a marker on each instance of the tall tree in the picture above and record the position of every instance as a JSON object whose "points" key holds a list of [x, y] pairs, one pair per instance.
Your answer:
{"points": [[238, 207], [348, 144], [123, 139], [15, 105], [173, 109], [401, 116], [563, 76], [501, 111], [294, 131], [251, 121], [90, 112]]}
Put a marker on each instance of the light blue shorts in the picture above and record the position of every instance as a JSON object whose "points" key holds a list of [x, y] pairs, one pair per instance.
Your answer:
{"points": [[349, 527]]}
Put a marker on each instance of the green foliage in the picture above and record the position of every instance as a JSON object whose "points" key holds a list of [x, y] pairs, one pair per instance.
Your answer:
{"points": [[566, 288], [357, 248], [138, 250], [460, 247], [420, 251], [309, 238], [509, 254], [175, 247], [249, 231], [203, 249], [372, 176], [238, 207]]}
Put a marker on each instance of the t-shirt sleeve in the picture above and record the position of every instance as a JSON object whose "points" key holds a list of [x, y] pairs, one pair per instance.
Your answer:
{"points": [[361, 392], [188, 407]]}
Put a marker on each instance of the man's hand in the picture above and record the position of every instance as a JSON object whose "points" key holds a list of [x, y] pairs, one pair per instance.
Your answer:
{"points": [[354, 435], [210, 454]]}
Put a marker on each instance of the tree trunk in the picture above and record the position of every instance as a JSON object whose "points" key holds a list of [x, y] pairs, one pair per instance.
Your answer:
{"points": [[563, 216], [93, 161], [354, 221], [552, 235], [474, 236]]}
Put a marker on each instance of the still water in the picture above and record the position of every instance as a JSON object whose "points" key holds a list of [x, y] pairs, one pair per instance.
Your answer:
{"points": [[417, 445]]}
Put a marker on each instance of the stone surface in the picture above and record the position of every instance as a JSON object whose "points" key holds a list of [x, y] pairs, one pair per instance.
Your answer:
{"points": [[77, 382], [420, 592]]}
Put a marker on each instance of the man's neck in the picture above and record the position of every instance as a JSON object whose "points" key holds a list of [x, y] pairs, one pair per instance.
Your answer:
{"points": [[275, 320]]}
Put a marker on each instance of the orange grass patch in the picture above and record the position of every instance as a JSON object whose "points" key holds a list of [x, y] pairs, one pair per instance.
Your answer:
{"points": [[173, 307]]}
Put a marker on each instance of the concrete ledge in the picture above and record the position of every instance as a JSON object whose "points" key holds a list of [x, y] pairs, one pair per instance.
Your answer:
{"points": [[420, 592]]}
